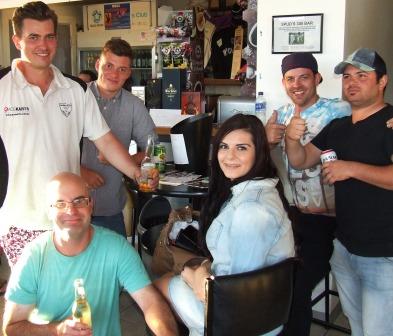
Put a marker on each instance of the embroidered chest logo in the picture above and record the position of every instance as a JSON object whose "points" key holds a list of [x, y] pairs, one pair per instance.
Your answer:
{"points": [[11, 111], [65, 108]]}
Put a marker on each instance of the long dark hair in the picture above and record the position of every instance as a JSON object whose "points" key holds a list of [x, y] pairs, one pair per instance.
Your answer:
{"points": [[220, 185]]}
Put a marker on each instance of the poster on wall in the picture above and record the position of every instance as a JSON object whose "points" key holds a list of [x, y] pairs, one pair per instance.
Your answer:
{"points": [[117, 16], [140, 14], [295, 33], [95, 17]]}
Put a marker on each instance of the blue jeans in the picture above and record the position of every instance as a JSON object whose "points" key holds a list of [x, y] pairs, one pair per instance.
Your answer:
{"points": [[114, 222], [365, 286]]}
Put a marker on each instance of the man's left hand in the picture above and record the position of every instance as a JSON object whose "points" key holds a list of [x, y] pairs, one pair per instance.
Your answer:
{"points": [[338, 170]]}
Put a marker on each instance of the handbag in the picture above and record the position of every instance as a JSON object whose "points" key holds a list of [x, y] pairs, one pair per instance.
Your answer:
{"points": [[168, 257]]}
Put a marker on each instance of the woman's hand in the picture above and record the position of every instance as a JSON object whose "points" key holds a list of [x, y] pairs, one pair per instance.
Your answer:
{"points": [[195, 278]]}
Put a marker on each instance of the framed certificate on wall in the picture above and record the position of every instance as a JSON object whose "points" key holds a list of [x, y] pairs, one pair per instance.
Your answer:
{"points": [[296, 33]]}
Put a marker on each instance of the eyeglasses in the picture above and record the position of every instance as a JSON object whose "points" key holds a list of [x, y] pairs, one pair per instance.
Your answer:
{"points": [[80, 202]]}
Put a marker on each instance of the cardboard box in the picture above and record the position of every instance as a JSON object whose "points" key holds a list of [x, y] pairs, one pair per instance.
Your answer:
{"points": [[195, 81], [192, 103], [173, 84], [138, 91], [153, 94]]}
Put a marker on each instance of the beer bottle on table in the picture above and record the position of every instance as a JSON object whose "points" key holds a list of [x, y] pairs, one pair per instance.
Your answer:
{"points": [[81, 308]]}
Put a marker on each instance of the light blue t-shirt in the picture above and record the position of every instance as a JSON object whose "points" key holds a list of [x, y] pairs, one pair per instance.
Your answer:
{"points": [[45, 277], [309, 193]]}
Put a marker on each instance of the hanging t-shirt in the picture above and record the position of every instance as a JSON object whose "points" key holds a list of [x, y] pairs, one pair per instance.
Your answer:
{"points": [[222, 52]]}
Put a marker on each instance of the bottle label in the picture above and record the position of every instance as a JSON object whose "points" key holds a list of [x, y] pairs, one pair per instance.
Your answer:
{"points": [[328, 155], [260, 107]]}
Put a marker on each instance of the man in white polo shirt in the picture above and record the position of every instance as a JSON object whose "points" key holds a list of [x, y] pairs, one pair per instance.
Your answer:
{"points": [[44, 115]]}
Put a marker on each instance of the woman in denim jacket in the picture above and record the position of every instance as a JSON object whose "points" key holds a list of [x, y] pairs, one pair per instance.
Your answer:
{"points": [[244, 225]]}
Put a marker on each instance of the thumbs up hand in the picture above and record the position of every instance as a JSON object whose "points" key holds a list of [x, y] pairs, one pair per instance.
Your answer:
{"points": [[274, 131], [297, 127]]}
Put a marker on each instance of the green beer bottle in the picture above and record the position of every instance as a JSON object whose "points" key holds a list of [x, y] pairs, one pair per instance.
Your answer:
{"points": [[81, 308]]}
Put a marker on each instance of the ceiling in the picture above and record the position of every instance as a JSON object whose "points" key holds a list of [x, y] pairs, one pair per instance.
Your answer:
{"points": [[17, 3]]}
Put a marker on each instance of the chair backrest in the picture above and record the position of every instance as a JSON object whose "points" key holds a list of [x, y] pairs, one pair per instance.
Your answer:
{"points": [[197, 133], [3, 172], [155, 211], [250, 303], [149, 238]]}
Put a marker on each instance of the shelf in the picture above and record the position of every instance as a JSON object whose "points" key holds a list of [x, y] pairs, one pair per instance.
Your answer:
{"points": [[162, 130], [217, 81], [165, 39]]}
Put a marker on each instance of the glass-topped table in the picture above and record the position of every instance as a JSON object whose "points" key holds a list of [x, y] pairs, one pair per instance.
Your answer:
{"points": [[195, 195]]}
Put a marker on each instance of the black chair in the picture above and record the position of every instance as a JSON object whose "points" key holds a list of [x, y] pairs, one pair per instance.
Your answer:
{"points": [[250, 303], [3, 172], [134, 212], [3, 184], [155, 212], [197, 132], [149, 238]]}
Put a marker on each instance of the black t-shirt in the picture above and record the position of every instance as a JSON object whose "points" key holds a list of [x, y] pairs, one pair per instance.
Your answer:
{"points": [[364, 212], [222, 52]]}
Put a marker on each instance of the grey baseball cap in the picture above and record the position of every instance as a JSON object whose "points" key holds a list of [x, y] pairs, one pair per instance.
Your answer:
{"points": [[365, 59]]}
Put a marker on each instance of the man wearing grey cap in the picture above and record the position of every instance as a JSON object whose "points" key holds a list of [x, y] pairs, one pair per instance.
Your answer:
{"points": [[313, 212], [362, 261]]}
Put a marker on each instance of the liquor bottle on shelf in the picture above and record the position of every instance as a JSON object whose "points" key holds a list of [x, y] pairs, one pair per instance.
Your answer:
{"points": [[87, 60], [138, 60], [149, 60], [143, 79], [143, 59]]}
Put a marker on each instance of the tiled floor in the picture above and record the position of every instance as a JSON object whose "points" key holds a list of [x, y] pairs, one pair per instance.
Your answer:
{"points": [[132, 320]]}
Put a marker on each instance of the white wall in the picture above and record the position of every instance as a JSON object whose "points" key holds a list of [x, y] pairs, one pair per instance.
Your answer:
{"points": [[269, 65], [369, 24]]}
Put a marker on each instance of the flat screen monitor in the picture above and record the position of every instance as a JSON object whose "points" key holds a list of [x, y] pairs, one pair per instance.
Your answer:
{"points": [[227, 106]]}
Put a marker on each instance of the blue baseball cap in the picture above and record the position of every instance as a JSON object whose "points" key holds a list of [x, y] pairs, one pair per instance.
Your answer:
{"points": [[364, 59]]}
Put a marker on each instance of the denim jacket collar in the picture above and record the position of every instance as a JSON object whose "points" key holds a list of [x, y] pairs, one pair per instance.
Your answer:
{"points": [[251, 184]]}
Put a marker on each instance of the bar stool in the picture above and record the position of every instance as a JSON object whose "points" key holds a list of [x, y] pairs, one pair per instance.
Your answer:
{"points": [[326, 296]]}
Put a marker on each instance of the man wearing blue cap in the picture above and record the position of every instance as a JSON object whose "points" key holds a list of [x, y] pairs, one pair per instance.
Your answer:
{"points": [[362, 261], [313, 213]]}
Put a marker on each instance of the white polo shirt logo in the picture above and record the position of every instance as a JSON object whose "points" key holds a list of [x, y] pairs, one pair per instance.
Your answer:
{"points": [[65, 108], [16, 110]]}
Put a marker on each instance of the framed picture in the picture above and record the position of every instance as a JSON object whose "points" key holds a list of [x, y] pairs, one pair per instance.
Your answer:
{"points": [[295, 33]]}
